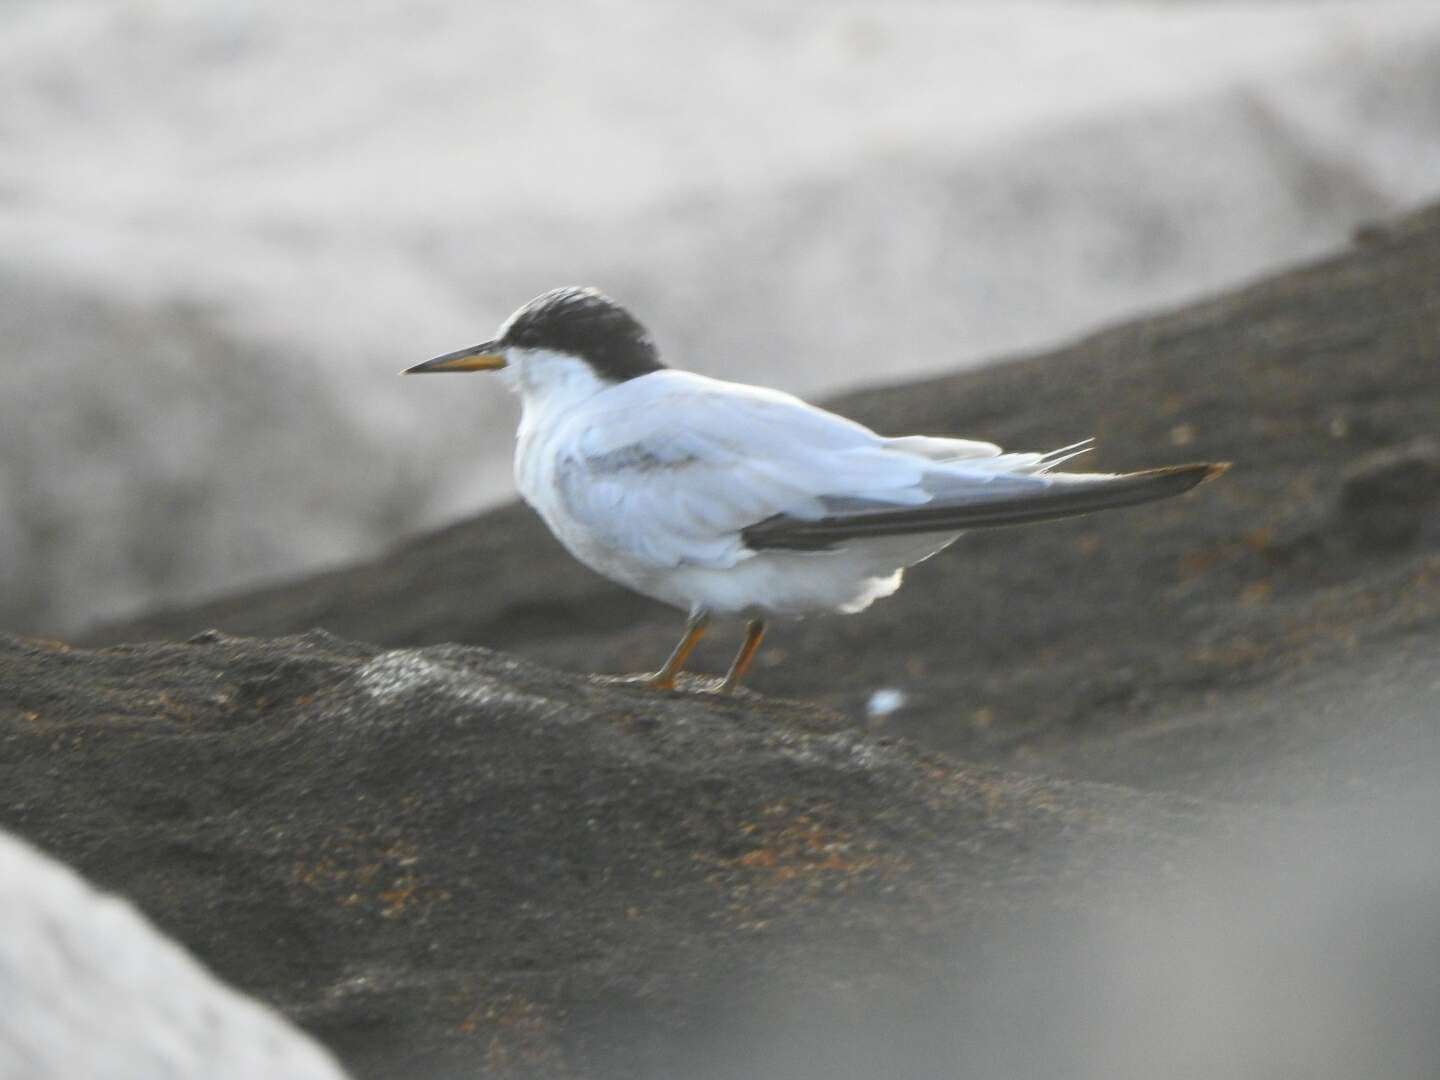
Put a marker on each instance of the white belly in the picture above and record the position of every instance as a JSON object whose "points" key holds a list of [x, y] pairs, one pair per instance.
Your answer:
{"points": [[792, 583]]}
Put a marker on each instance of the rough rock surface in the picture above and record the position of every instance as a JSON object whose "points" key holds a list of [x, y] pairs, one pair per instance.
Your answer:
{"points": [[449, 862], [1100, 646]]}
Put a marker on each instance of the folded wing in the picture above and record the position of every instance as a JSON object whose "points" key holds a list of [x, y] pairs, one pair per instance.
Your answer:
{"points": [[978, 502], [670, 472], [676, 469]]}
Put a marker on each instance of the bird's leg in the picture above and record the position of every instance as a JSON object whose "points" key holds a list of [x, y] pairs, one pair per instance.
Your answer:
{"points": [[664, 679], [754, 634]]}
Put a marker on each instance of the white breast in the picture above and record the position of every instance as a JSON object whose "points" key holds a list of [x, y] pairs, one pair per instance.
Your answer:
{"points": [[556, 390]]}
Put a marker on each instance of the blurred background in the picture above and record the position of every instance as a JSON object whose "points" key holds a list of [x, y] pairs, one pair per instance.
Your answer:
{"points": [[225, 226]]}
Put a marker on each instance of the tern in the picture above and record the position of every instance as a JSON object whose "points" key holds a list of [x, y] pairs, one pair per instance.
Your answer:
{"points": [[725, 499]]}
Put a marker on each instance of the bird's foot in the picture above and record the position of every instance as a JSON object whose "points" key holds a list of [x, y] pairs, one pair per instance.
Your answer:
{"points": [[661, 681]]}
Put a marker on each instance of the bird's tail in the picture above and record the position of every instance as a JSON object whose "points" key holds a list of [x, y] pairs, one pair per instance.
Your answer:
{"points": [[983, 506]]}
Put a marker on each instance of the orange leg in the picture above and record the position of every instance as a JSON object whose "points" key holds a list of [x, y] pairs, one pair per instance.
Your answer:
{"points": [[754, 634], [664, 679]]}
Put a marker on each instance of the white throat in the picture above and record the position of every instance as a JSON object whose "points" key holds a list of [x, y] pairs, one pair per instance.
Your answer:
{"points": [[550, 383], [553, 377]]}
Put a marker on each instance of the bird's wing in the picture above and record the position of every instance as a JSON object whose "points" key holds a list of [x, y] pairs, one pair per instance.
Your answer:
{"points": [[939, 449], [671, 472], [675, 469], [961, 501]]}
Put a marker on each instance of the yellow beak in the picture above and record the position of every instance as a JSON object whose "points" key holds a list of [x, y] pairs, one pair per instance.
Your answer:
{"points": [[484, 357]]}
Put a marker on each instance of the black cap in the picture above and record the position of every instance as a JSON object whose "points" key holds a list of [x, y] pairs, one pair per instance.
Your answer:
{"points": [[586, 323]]}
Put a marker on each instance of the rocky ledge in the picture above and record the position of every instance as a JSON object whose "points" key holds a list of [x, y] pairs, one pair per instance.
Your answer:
{"points": [[446, 861]]}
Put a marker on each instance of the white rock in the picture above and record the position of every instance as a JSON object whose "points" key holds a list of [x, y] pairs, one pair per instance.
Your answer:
{"points": [[89, 990]]}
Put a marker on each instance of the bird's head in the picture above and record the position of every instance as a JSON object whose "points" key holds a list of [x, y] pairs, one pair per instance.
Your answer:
{"points": [[560, 334]]}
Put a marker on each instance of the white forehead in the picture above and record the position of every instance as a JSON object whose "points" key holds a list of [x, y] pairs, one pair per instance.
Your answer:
{"points": [[509, 322]]}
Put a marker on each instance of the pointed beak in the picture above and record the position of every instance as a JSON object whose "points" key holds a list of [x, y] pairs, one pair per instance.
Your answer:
{"points": [[488, 356]]}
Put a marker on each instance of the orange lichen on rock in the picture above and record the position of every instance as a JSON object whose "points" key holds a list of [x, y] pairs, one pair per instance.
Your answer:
{"points": [[379, 879], [522, 1040], [796, 846]]}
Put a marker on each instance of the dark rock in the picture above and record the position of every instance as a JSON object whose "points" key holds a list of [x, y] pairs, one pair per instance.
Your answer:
{"points": [[448, 862], [1388, 498]]}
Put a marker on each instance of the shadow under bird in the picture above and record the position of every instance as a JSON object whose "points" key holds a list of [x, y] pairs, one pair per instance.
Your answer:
{"points": [[724, 499]]}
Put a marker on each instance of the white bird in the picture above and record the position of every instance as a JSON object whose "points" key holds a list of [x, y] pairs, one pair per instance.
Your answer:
{"points": [[724, 499]]}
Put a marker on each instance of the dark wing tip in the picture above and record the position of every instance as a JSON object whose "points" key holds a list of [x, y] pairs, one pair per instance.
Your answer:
{"points": [[1100, 492], [1185, 476]]}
